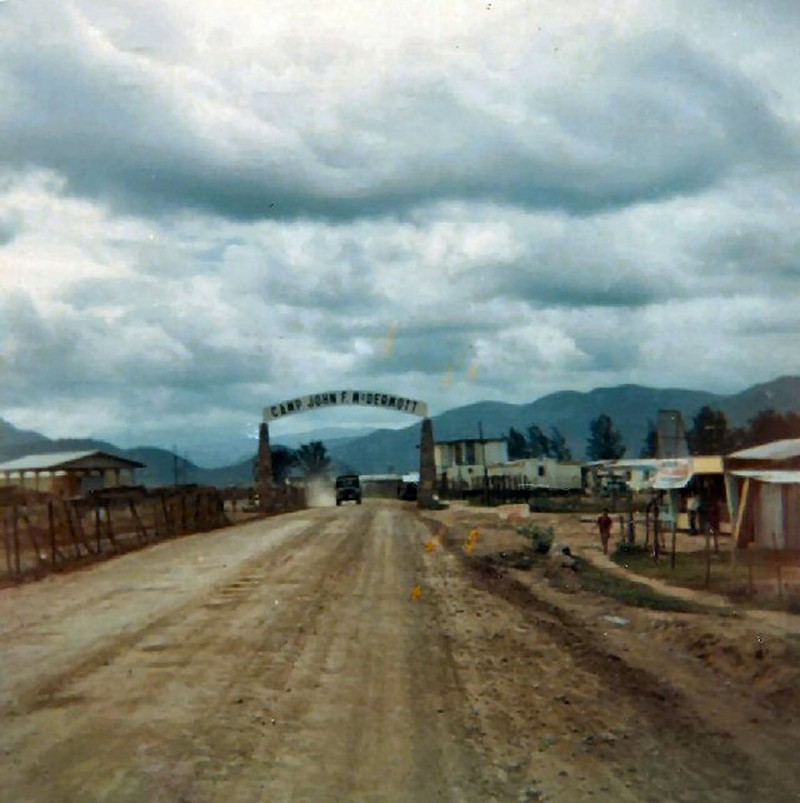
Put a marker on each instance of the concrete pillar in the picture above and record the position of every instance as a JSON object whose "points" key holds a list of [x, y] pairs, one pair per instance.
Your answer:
{"points": [[264, 473], [427, 466]]}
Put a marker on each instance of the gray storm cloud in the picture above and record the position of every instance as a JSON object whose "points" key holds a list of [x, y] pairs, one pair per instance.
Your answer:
{"points": [[196, 218]]}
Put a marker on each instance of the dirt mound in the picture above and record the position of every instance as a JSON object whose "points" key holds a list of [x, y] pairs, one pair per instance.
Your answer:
{"points": [[767, 665]]}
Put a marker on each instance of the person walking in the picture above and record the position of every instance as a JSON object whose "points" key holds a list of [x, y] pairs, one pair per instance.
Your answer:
{"points": [[604, 526]]}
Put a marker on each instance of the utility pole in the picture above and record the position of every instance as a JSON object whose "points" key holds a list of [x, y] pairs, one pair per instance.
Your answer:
{"points": [[175, 464], [485, 468]]}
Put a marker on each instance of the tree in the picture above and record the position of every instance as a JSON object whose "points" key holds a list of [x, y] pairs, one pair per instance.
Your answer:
{"points": [[605, 441], [538, 442], [517, 445], [770, 425], [650, 442], [283, 460], [558, 445], [709, 433], [313, 458]]}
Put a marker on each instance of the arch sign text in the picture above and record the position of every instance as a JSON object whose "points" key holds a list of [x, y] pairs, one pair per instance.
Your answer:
{"points": [[340, 398]]}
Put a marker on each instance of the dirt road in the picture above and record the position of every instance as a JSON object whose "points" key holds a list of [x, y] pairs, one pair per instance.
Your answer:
{"points": [[288, 660]]}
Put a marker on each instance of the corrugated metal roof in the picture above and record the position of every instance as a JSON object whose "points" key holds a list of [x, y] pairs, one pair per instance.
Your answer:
{"points": [[777, 450], [54, 461], [772, 477]]}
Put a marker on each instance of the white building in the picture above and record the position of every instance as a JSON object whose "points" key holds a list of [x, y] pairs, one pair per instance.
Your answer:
{"points": [[537, 472], [461, 464]]}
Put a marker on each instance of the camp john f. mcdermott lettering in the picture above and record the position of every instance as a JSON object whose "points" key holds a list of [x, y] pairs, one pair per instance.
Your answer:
{"points": [[335, 398]]}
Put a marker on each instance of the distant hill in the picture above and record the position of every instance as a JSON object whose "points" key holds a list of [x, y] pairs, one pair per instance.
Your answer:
{"points": [[630, 407], [160, 464], [162, 467]]}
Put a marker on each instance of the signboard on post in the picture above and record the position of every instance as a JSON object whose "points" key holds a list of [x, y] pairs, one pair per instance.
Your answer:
{"points": [[673, 474], [341, 398]]}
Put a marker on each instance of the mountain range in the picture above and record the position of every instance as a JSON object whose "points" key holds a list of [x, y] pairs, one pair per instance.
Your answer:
{"points": [[395, 450], [630, 407]]}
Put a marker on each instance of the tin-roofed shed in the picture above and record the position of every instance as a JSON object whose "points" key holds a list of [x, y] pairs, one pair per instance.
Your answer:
{"points": [[764, 494], [68, 473]]}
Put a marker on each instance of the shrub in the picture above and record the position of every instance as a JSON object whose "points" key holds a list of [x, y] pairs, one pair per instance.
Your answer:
{"points": [[541, 538]]}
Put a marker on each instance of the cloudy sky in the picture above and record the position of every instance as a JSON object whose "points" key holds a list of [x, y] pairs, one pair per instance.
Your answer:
{"points": [[207, 207]]}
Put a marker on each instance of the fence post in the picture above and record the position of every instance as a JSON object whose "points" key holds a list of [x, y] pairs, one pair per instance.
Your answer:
{"points": [[15, 536], [6, 544], [97, 533], [51, 528], [183, 512]]}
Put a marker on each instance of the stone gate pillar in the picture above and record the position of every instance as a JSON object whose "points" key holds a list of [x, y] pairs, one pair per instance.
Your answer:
{"points": [[264, 471], [427, 466]]}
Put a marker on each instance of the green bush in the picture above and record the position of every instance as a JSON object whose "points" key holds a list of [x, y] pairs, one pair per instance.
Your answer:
{"points": [[541, 538]]}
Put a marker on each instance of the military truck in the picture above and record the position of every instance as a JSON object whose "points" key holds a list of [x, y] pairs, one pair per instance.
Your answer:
{"points": [[348, 489]]}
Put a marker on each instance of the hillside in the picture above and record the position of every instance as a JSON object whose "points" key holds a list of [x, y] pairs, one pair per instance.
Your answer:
{"points": [[630, 407], [395, 450]]}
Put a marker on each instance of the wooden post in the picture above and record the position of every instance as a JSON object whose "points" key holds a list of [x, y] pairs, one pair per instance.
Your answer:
{"points": [[110, 528], [708, 558], [7, 544], [79, 527], [73, 537], [32, 536], [167, 521], [97, 531], [656, 532], [673, 514], [51, 528], [183, 512], [141, 530], [673, 555], [777, 559], [15, 536], [154, 512], [740, 514]]}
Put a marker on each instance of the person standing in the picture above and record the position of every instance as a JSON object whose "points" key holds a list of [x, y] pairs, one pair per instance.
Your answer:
{"points": [[692, 507], [714, 517], [604, 526]]}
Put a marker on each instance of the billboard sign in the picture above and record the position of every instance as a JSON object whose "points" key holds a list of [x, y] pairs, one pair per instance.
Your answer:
{"points": [[673, 474]]}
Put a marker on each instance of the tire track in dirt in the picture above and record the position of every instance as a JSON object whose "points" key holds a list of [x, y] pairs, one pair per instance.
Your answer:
{"points": [[47, 692], [374, 711], [162, 691], [601, 711]]}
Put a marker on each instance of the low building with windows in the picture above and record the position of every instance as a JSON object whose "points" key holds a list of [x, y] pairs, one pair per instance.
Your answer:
{"points": [[68, 474], [463, 464], [532, 473]]}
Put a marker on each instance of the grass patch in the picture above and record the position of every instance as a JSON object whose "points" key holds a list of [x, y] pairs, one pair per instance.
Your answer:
{"points": [[689, 570], [750, 586], [574, 503], [629, 592]]}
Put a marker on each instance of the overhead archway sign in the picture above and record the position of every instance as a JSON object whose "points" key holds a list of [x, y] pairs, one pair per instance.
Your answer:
{"points": [[343, 398]]}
